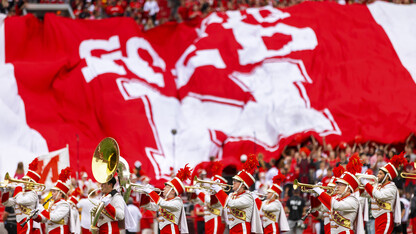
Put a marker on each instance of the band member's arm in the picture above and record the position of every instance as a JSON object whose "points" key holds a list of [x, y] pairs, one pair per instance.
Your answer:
{"points": [[60, 212], [333, 204], [240, 202], [5, 199], [116, 208], [172, 205], [388, 193], [27, 198], [272, 207], [145, 202]]}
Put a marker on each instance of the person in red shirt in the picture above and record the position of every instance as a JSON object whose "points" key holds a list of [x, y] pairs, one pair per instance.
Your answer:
{"points": [[146, 223], [199, 218]]}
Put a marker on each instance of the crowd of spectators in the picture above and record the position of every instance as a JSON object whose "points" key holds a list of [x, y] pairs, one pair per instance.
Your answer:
{"points": [[150, 13]]}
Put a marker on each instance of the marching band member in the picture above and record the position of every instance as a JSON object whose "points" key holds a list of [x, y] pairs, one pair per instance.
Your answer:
{"points": [[317, 209], [274, 218], [213, 216], [75, 225], [24, 200], [115, 215], [243, 215], [385, 197], [58, 214], [345, 209], [172, 217]]}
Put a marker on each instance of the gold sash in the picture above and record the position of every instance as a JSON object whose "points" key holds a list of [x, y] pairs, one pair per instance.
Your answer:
{"points": [[214, 211], [340, 220], [25, 210], [270, 216], [167, 215], [239, 214], [383, 205]]}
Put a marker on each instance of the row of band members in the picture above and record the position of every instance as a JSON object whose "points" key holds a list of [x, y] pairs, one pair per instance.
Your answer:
{"points": [[341, 203]]}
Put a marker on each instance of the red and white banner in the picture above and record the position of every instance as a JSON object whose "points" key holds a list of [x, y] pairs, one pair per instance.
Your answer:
{"points": [[50, 165], [239, 82]]}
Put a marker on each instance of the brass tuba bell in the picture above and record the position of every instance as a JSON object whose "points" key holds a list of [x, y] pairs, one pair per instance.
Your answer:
{"points": [[105, 160]]}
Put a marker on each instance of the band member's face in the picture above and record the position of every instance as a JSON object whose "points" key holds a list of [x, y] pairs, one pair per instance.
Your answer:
{"points": [[56, 195], [340, 188], [380, 175], [269, 195], [166, 190], [106, 188], [236, 185]]}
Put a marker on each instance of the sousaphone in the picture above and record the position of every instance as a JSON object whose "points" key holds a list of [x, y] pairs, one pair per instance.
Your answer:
{"points": [[104, 166]]}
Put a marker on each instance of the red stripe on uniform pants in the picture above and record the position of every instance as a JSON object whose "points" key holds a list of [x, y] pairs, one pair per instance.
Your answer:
{"points": [[63, 229], [170, 229], [110, 227], [385, 223], [272, 228], [214, 226], [241, 228], [25, 229]]}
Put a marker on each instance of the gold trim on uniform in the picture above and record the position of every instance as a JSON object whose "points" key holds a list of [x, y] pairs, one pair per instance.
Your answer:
{"points": [[25, 210], [167, 215], [214, 211], [270, 216], [239, 214], [60, 222], [340, 220], [383, 205]]}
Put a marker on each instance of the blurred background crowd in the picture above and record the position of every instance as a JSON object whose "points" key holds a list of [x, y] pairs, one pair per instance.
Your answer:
{"points": [[150, 13]]}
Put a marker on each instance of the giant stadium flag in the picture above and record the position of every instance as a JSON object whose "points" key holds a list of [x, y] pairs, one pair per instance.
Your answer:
{"points": [[239, 82]]}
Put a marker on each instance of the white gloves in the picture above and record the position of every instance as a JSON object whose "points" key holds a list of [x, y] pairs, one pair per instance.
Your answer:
{"points": [[216, 187], [106, 200], [197, 191], [147, 190], [318, 190], [364, 181]]}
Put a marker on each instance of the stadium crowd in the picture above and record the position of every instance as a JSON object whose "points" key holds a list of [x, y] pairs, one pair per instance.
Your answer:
{"points": [[309, 162], [150, 13]]}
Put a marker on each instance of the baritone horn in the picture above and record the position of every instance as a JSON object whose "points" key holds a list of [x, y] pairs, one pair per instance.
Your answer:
{"points": [[225, 187], [307, 188], [28, 184]]}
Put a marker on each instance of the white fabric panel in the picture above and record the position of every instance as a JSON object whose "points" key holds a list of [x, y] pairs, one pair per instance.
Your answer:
{"points": [[399, 23]]}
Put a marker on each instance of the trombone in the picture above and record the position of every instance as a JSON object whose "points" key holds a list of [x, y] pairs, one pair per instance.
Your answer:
{"points": [[307, 188], [225, 187], [408, 175], [28, 184]]}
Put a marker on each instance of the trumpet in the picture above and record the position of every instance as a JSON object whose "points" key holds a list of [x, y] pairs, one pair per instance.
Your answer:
{"points": [[28, 184], [307, 188], [139, 188], [225, 187], [408, 175], [190, 188], [373, 178]]}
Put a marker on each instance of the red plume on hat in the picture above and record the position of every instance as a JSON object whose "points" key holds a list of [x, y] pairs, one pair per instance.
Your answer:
{"points": [[76, 192], [278, 179], [354, 165], [251, 164], [398, 160], [65, 174], [216, 168], [184, 173], [34, 165], [338, 171]]}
